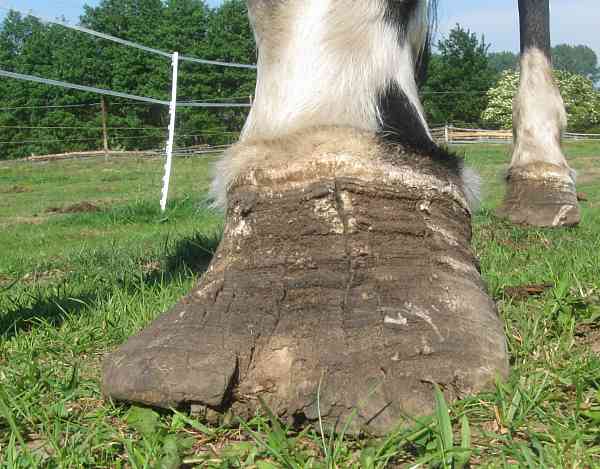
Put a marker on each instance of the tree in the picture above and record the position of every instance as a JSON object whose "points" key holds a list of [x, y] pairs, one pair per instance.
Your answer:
{"points": [[31, 47], [228, 38], [131, 70], [582, 101], [580, 59], [187, 26], [501, 61], [458, 78]]}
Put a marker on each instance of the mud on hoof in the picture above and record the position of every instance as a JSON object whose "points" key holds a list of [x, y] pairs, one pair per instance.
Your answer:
{"points": [[541, 194], [344, 265]]}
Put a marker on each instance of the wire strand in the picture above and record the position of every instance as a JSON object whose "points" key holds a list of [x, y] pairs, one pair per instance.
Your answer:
{"points": [[125, 42], [66, 127], [51, 106], [78, 139], [91, 89]]}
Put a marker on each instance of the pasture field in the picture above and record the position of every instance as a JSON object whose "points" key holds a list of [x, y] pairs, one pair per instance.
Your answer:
{"points": [[87, 259]]}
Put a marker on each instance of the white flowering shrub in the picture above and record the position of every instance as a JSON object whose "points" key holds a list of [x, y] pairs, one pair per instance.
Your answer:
{"points": [[582, 101]]}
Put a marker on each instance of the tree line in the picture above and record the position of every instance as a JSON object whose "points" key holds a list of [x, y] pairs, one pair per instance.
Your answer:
{"points": [[41, 119], [469, 85]]}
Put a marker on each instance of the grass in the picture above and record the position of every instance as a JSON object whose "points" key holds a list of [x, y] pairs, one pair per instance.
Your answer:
{"points": [[75, 284]]}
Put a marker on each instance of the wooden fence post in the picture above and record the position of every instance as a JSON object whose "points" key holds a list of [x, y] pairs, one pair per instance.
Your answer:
{"points": [[104, 110]]}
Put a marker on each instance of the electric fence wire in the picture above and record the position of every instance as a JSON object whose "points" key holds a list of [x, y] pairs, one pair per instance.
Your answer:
{"points": [[118, 94], [172, 104], [125, 42], [114, 104], [121, 137], [49, 106], [67, 127], [116, 137]]}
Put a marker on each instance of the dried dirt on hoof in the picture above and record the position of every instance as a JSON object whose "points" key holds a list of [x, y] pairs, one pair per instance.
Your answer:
{"points": [[81, 207]]}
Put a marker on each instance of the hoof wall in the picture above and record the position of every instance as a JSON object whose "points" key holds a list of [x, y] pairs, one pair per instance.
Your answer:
{"points": [[541, 195]]}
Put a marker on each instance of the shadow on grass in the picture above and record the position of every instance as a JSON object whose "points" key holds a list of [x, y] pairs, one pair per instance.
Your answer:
{"points": [[188, 256], [52, 311], [52, 305]]}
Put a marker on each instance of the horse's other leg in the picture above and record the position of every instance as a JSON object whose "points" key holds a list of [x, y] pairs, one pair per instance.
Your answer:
{"points": [[540, 184], [344, 279]]}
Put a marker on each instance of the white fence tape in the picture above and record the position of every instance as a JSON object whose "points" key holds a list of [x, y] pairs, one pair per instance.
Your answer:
{"points": [[169, 149]]}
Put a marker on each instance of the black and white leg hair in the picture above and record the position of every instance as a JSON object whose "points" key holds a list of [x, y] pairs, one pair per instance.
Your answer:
{"points": [[336, 62], [540, 184], [343, 63], [539, 115]]}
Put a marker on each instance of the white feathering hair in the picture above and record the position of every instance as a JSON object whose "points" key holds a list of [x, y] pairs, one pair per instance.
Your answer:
{"points": [[322, 63]]}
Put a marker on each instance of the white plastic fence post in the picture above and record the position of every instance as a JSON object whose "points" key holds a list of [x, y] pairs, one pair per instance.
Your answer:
{"points": [[169, 149], [446, 136]]}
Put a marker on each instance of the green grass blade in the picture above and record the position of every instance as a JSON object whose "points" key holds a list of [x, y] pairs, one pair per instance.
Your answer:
{"points": [[462, 457], [443, 420], [7, 414]]}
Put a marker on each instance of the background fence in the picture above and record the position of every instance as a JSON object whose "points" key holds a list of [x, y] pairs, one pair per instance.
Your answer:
{"points": [[449, 134], [110, 138], [173, 104]]}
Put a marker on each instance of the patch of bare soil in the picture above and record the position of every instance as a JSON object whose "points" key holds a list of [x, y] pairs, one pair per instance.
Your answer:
{"points": [[150, 267], [35, 220], [81, 207], [17, 190], [512, 244], [33, 277], [45, 276], [582, 197], [594, 341], [588, 175], [522, 292], [5, 280], [588, 331], [589, 336], [29, 220], [39, 447]]}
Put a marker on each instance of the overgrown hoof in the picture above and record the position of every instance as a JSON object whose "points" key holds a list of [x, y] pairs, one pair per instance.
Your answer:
{"points": [[174, 361], [344, 282], [541, 195]]}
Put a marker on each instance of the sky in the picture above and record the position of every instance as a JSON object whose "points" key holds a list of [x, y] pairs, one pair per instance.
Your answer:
{"points": [[573, 21]]}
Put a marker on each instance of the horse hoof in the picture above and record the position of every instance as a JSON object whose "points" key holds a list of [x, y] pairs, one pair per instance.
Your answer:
{"points": [[344, 285], [541, 195]]}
